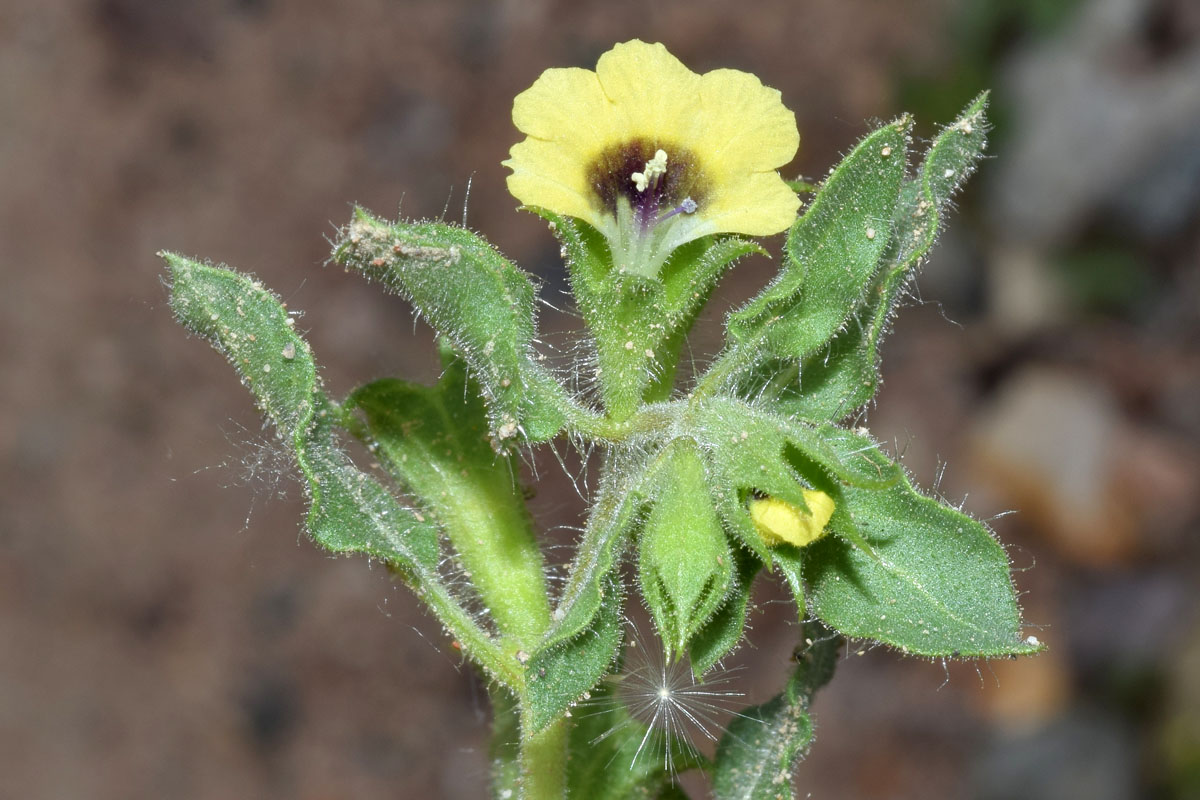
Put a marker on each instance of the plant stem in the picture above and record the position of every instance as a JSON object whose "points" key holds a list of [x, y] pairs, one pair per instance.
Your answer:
{"points": [[544, 763], [727, 365], [650, 419], [474, 641]]}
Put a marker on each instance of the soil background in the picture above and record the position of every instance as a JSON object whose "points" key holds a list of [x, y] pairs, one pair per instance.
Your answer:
{"points": [[166, 631]]}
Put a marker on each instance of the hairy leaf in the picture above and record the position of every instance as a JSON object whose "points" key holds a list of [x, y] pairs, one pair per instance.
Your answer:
{"points": [[833, 251], [834, 382], [349, 511], [559, 675], [612, 517], [474, 297], [434, 441], [756, 755], [934, 582], [724, 630]]}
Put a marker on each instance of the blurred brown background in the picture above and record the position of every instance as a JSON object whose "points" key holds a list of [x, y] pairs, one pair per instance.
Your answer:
{"points": [[166, 632]]}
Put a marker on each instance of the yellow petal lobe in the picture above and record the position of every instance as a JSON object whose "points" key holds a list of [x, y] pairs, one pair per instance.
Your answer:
{"points": [[651, 91], [746, 125]]}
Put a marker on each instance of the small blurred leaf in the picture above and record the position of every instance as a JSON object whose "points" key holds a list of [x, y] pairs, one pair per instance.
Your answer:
{"points": [[756, 755], [801, 186]]}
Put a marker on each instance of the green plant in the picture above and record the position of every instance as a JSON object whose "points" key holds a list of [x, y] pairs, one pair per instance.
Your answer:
{"points": [[650, 176]]}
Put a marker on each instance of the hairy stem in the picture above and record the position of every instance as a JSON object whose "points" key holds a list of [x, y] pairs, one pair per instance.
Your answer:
{"points": [[543, 762], [650, 419]]}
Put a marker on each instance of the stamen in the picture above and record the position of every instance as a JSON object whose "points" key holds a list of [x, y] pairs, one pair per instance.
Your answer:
{"points": [[654, 167], [688, 206]]}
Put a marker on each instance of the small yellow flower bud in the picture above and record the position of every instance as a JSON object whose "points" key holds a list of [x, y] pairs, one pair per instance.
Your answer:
{"points": [[780, 522]]}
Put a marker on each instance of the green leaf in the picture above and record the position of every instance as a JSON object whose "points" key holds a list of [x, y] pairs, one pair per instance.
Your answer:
{"points": [[801, 186], [833, 251], [246, 323], [789, 560], [935, 583], [834, 382], [756, 755], [684, 560], [724, 630], [559, 675], [434, 442], [349, 511], [474, 297], [639, 324]]}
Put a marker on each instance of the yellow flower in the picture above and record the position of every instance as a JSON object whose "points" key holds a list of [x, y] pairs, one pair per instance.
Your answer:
{"points": [[652, 154], [780, 522]]}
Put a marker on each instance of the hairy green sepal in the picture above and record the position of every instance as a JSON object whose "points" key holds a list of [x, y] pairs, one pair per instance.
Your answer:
{"points": [[684, 560], [639, 323]]}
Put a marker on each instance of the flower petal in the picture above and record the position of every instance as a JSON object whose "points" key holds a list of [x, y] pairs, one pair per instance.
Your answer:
{"points": [[651, 91], [548, 175], [592, 135], [746, 126], [566, 106], [759, 204]]}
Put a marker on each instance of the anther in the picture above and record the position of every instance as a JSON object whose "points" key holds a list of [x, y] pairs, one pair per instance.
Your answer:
{"points": [[654, 167]]}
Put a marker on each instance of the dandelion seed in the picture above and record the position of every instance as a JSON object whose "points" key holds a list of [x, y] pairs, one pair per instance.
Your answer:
{"points": [[674, 707]]}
